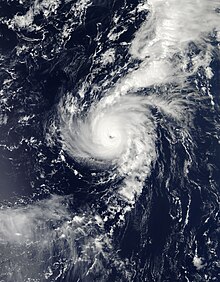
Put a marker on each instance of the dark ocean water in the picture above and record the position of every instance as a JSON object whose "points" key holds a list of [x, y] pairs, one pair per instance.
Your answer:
{"points": [[63, 219]]}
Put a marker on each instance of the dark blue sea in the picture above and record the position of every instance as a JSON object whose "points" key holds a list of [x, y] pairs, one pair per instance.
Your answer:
{"points": [[109, 141]]}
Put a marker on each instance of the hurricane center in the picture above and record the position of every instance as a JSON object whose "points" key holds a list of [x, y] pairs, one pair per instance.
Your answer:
{"points": [[109, 136]]}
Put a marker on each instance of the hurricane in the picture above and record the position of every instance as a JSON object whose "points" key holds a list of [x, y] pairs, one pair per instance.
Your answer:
{"points": [[110, 132], [118, 128]]}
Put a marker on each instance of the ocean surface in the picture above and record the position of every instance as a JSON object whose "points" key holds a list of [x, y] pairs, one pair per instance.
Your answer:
{"points": [[109, 140]]}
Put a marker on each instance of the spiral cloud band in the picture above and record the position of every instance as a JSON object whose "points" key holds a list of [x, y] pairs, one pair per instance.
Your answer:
{"points": [[109, 131], [117, 132]]}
